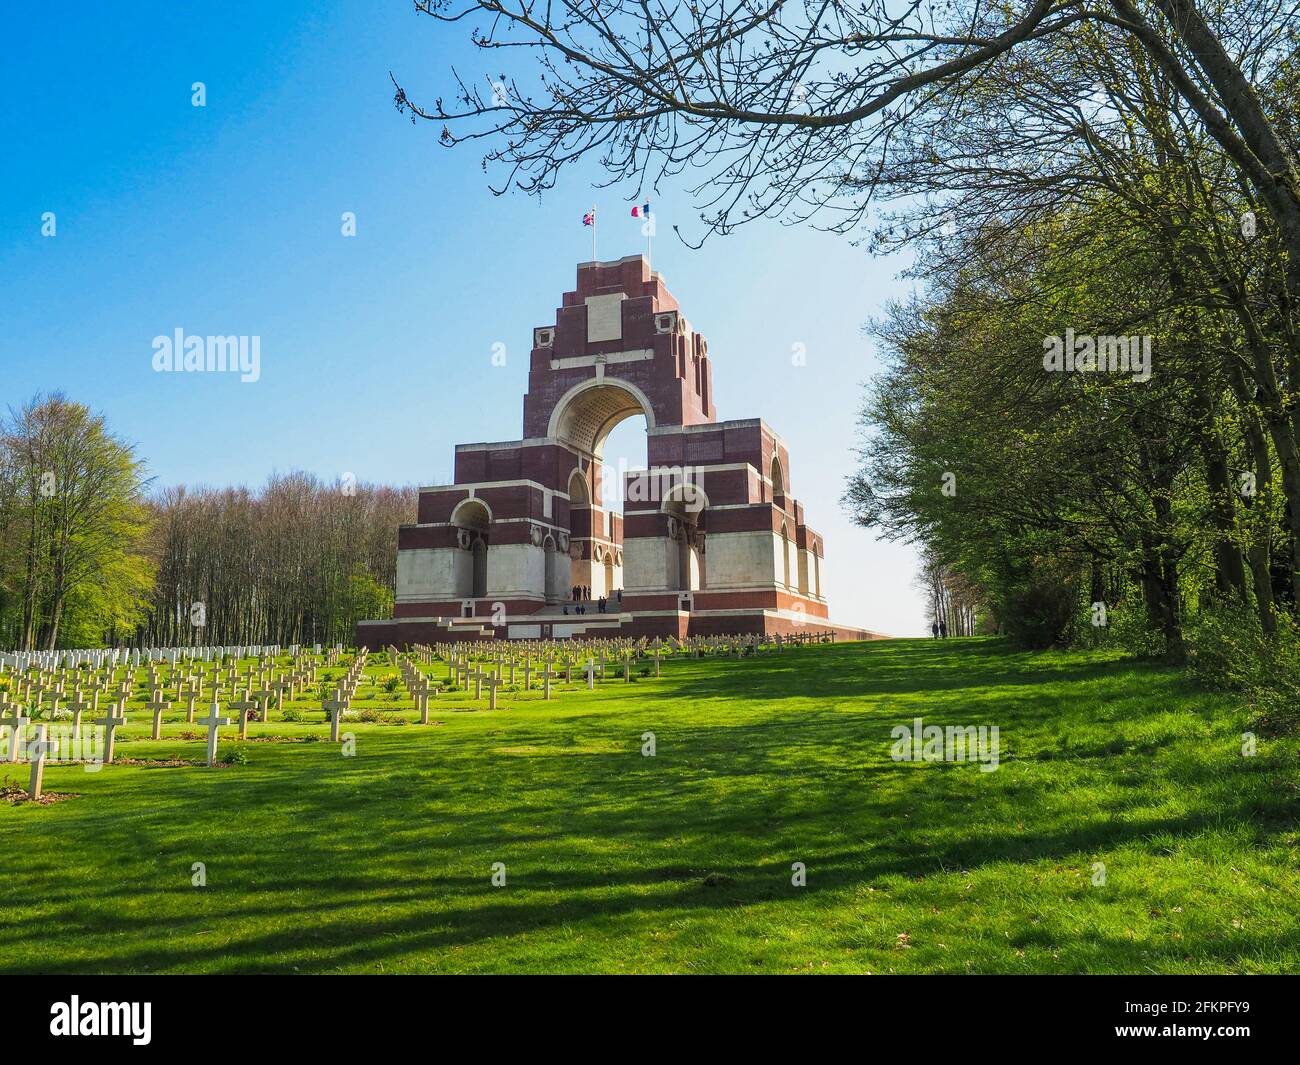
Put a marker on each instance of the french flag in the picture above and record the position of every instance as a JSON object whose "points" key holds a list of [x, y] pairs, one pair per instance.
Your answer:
{"points": [[641, 212]]}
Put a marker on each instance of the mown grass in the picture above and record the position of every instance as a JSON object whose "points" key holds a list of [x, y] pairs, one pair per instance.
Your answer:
{"points": [[681, 862]]}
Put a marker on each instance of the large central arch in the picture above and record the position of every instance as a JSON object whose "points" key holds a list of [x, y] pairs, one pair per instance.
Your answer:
{"points": [[582, 419], [585, 414]]}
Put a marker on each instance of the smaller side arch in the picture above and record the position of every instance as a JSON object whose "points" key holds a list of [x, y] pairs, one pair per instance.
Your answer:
{"points": [[579, 490], [785, 554], [471, 513], [776, 474], [685, 499], [472, 518], [552, 577], [479, 573]]}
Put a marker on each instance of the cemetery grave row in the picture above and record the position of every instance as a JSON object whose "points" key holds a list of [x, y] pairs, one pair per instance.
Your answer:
{"points": [[72, 705]]}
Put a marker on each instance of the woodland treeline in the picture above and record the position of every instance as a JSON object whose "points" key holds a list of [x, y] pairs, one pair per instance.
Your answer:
{"points": [[1095, 204], [954, 602], [92, 555], [296, 562]]}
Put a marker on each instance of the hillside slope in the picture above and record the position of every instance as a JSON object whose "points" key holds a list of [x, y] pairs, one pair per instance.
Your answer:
{"points": [[683, 862]]}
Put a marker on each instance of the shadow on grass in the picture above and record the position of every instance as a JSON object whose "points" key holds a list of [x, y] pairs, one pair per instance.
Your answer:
{"points": [[317, 862]]}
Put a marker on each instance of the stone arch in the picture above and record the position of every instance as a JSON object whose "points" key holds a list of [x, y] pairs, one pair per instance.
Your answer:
{"points": [[685, 504], [609, 574], [585, 414], [551, 571], [472, 519], [785, 554], [579, 490], [777, 476], [478, 570], [472, 514], [685, 499]]}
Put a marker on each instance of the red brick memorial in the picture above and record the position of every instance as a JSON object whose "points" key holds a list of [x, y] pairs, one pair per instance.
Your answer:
{"points": [[710, 541]]}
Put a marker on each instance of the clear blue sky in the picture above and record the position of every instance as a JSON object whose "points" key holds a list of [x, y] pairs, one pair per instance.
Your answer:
{"points": [[376, 350]]}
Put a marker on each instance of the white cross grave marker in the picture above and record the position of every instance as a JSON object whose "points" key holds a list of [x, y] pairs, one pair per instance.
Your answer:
{"points": [[15, 724], [214, 722], [37, 752], [334, 707], [159, 707], [110, 721]]}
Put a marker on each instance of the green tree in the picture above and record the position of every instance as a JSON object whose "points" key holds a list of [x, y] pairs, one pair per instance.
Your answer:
{"points": [[75, 526]]}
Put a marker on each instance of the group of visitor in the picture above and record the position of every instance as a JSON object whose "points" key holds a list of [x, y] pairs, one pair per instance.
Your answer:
{"points": [[582, 595]]}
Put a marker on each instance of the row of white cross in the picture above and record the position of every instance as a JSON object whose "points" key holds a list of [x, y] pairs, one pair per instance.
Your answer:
{"points": [[489, 669], [52, 674]]}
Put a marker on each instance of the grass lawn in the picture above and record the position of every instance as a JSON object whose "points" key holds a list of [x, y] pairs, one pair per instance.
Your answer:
{"points": [[681, 862]]}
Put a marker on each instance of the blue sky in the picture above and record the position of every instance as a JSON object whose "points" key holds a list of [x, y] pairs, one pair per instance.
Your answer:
{"points": [[376, 350]]}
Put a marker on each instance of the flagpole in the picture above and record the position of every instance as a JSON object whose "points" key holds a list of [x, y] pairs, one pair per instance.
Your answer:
{"points": [[649, 243], [593, 233]]}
